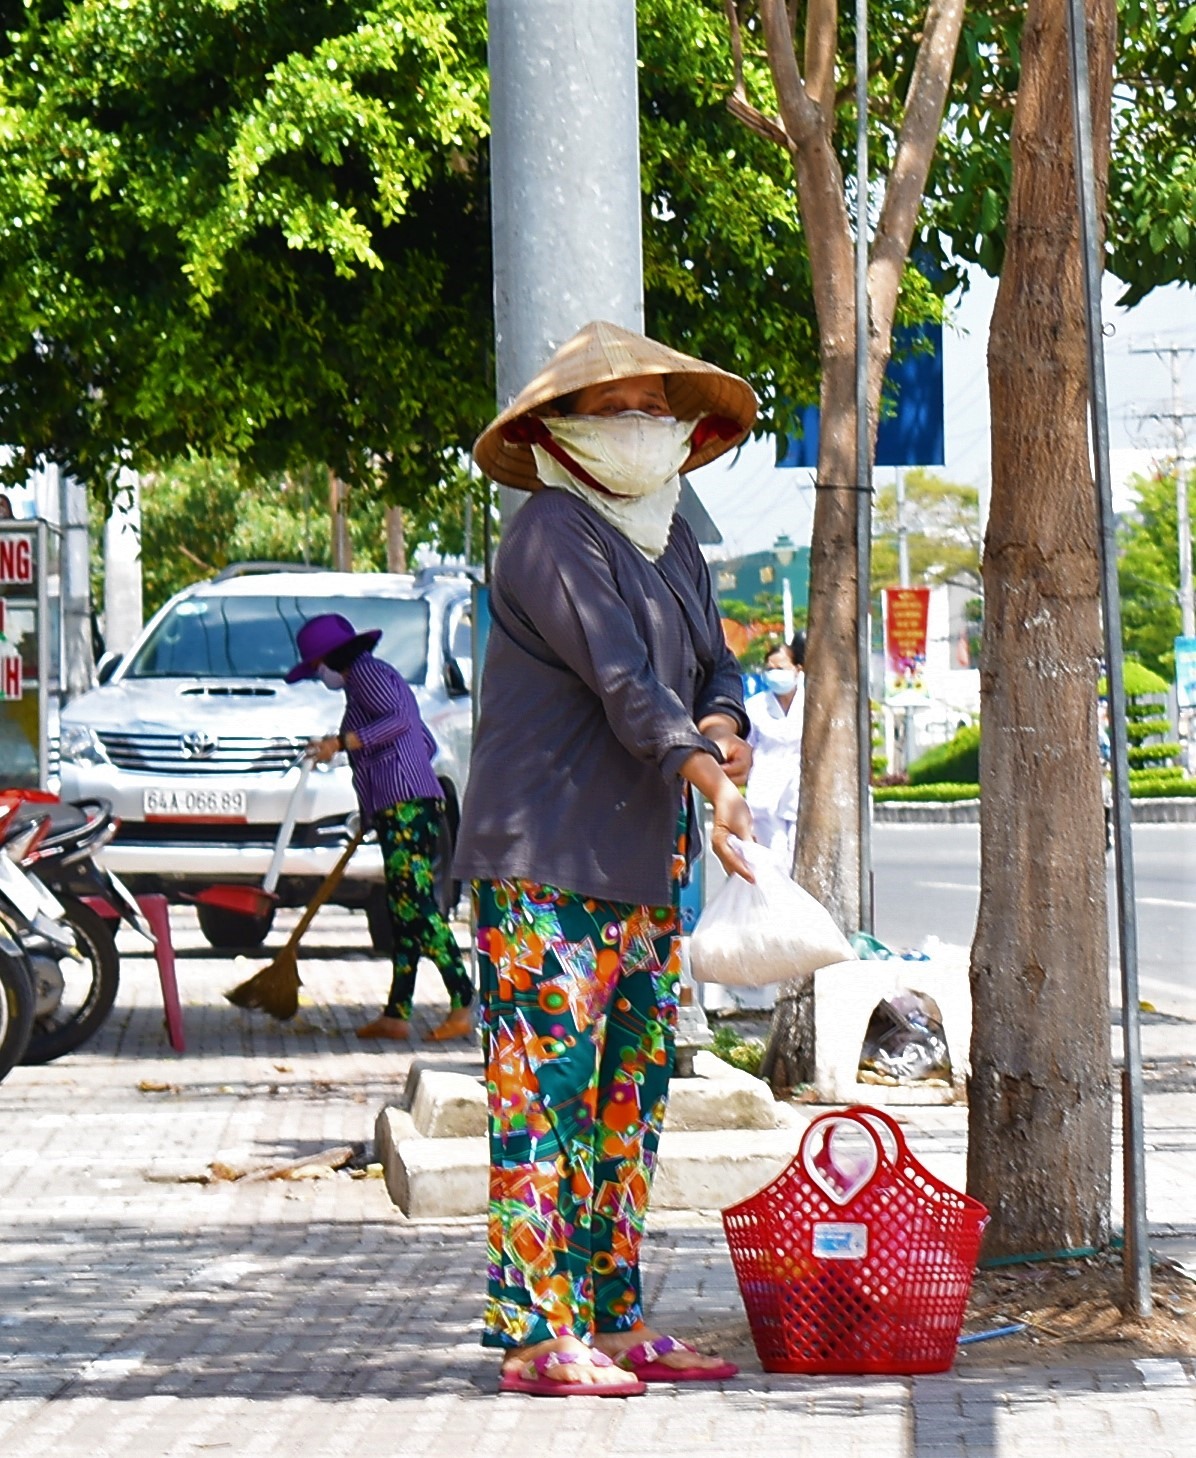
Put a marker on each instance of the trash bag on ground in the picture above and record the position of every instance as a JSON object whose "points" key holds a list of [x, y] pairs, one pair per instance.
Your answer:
{"points": [[905, 1041]]}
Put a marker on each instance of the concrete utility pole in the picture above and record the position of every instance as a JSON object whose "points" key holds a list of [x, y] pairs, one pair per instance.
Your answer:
{"points": [[565, 179], [75, 587], [1176, 418], [122, 567]]}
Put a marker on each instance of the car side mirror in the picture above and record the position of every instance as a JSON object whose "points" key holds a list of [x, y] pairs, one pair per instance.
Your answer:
{"points": [[458, 676], [107, 666]]}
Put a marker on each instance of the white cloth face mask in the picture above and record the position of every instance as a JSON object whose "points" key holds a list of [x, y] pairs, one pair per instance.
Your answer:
{"points": [[329, 677], [631, 454], [781, 680]]}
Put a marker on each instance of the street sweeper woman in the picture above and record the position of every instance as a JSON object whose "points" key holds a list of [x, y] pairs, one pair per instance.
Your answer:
{"points": [[608, 694], [390, 752]]}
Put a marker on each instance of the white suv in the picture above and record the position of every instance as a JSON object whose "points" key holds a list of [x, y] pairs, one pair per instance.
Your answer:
{"points": [[195, 738]]}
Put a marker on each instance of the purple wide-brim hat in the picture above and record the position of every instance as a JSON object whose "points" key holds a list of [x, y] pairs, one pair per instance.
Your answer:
{"points": [[323, 635]]}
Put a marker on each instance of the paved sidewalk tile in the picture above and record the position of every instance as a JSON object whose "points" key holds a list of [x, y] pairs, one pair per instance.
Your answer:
{"points": [[144, 1314]]}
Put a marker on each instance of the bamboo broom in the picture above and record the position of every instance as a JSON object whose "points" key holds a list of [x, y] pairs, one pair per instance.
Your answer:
{"points": [[275, 989]]}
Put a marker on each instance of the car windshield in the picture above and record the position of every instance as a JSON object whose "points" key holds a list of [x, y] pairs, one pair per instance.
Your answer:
{"points": [[241, 636]]}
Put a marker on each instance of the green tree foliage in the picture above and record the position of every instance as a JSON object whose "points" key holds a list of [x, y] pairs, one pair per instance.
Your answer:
{"points": [[198, 514], [942, 521], [208, 233], [259, 230], [1151, 212], [1148, 572]]}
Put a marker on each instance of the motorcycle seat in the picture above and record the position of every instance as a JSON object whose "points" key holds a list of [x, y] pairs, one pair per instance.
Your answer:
{"points": [[69, 822]]}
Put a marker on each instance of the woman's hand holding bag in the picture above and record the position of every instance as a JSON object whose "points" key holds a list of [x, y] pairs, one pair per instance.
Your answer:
{"points": [[768, 930]]}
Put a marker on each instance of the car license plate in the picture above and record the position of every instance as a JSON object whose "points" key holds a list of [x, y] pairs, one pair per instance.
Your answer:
{"points": [[189, 804]]}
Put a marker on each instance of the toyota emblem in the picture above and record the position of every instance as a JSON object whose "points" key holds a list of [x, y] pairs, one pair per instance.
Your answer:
{"points": [[197, 745]]}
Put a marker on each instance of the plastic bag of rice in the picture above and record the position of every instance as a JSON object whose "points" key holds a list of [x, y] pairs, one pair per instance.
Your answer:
{"points": [[770, 930]]}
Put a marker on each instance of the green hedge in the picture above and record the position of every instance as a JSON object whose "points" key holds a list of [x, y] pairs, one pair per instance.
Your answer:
{"points": [[1145, 754], [1168, 772], [1161, 784], [1178, 790], [933, 794], [956, 762], [1137, 680], [1142, 729], [1144, 785]]}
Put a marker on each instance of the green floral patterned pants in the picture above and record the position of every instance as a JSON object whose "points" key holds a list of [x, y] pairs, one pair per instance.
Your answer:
{"points": [[407, 833], [580, 1000]]}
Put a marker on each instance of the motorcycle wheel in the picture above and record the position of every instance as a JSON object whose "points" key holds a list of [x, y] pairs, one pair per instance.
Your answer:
{"points": [[16, 1011], [90, 988]]}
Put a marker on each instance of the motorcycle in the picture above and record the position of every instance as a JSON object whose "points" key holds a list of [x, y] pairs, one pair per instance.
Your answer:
{"points": [[68, 947], [16, 1004]]}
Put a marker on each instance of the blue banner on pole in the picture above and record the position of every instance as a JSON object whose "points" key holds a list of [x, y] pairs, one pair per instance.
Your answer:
{"points": [[1185, 672], [913, 434]]}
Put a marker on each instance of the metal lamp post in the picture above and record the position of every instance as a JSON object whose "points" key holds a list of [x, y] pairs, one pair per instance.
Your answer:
{"points": [[783, 550]]}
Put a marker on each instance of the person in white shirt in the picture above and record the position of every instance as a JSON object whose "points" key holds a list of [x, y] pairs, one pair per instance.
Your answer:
{"points": [[775, 737]]}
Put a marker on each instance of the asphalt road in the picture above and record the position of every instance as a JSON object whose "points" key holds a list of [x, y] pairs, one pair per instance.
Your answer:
{"points": [[927, 883]]}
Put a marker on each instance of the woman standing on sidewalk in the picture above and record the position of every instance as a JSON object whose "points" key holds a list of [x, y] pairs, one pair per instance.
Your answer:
{"points": [[390, 751], [775, 737], [608, 692]]}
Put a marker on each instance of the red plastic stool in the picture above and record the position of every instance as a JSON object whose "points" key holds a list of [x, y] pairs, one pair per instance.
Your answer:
{"points": [[156, 910]]}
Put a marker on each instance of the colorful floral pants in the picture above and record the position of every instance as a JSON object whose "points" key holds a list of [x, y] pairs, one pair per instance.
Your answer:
{"points": [[580, 1007], [407, 833]]}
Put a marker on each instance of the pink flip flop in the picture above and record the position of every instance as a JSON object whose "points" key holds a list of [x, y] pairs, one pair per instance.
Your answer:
{"points": [[542, 1385], [644, 1361]]}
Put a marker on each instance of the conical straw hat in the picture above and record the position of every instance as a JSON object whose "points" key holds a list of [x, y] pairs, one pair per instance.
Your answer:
{"points": [[600, 352]]}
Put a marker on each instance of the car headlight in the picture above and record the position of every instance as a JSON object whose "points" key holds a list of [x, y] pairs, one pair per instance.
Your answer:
{"points": [[80, 745]]}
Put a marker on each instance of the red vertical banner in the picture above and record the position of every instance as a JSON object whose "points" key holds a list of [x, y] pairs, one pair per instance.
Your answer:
{"points": [[907, 612]]}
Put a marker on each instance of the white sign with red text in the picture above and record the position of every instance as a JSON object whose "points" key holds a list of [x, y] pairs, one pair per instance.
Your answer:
{"points": [[16, 559]]}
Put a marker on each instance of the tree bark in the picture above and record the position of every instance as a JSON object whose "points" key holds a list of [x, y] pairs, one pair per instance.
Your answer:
{"points": [[342, 547], [396, 540], [1040, 1092], [827, 861]]}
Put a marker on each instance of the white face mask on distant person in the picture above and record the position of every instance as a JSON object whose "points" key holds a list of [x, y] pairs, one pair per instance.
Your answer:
{"points": [[781, 680], [329, 677], [631, 454]]}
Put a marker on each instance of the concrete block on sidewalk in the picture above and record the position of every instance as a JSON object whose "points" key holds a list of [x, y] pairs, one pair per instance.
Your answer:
{"points": [[449, 1105], [719, 1096], [713, 1168], [845, 996], [430, 1178], [697, 1169]]}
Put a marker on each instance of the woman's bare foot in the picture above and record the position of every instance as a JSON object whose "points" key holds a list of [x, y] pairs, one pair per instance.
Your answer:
{"points": [[458, 1024], [398, 1030], [517, 1360], [615, 1343]]}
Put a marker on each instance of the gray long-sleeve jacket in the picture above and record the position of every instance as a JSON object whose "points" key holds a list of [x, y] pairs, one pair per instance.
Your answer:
{"points": [[598, 666]]}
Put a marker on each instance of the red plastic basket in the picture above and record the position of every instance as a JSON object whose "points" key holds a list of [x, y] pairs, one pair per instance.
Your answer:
{"points": [[855, 1265]]}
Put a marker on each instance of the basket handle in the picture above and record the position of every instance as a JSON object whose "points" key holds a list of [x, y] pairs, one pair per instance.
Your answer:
{"points": [[841, 1186], [892, 1135]]}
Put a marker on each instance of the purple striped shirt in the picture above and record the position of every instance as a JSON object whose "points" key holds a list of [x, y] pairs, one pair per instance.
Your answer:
{"points": [[395, 759]]}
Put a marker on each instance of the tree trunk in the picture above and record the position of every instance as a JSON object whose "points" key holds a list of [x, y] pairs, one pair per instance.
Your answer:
{"points": [[396, 540], [828, 840], [828, 855], [1040, 1093], [342, 547]]}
